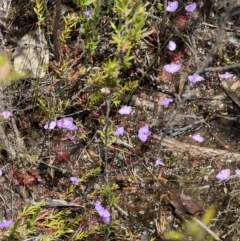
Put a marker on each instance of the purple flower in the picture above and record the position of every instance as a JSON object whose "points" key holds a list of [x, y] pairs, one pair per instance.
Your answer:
{"points": [[166, 101], [158, 162], [119, 131], [172, 6], [226, 75], [50, 125], [39, 179], [171, 45], [88, 13], [172, 68], [6, 114], [223, 174], [198, 138], [66, 123], [102, 212], [1, 172], [195, 78], [6, 223], [143, 133], [74, 180], [125, 110], [191, 7]]}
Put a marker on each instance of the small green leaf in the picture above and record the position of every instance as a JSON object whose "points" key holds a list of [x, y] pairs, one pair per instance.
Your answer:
{"points": [[208, 215], [87, 2], [174, 235], [114, 27]]}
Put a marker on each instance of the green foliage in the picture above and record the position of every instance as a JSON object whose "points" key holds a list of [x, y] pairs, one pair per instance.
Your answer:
{"points": [[208, 215], [53, 109], [7, 73], [111, 69], [59, 223], [126, 35], [69, 23], [3, 59], [28, 222], [39, 10], [193, 229], [92, 172], [128, 86], [109, 191], [108, 137], [89, 24], [129, 32], [85, 3], [160, 8]]}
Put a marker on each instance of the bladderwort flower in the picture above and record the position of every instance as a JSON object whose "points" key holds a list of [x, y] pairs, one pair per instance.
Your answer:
{"points": [[50, 125], [226, 75], [172, 68], [171, 45], [39, 179], [198, 138], [223, 174], [144, 133], [102, 212], [88, 13], [158, 162], [119, 131], [66, 123], [195, 78], [6, 223], [191, 7], [74, 180], [125, 110], [166, 101], [172, 6], [6, 114]]}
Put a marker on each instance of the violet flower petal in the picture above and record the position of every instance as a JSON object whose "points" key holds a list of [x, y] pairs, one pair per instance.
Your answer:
{"points": [[102, 212], [39, 179], [50, 125], [88, 13], [223, 174], [74, 180], [198, 138], [237, 172], [172, 6], [195, 78], [166, 101], [143, 133], [6, 223], [158, 162], [171, 45], [119, 131], [125, 110], [6, 114], [172, 68], [66, 123], [191, 7], [226, 75]]}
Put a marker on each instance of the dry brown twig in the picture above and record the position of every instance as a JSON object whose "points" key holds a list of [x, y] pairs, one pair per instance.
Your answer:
{"points": [[179, 146]]}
